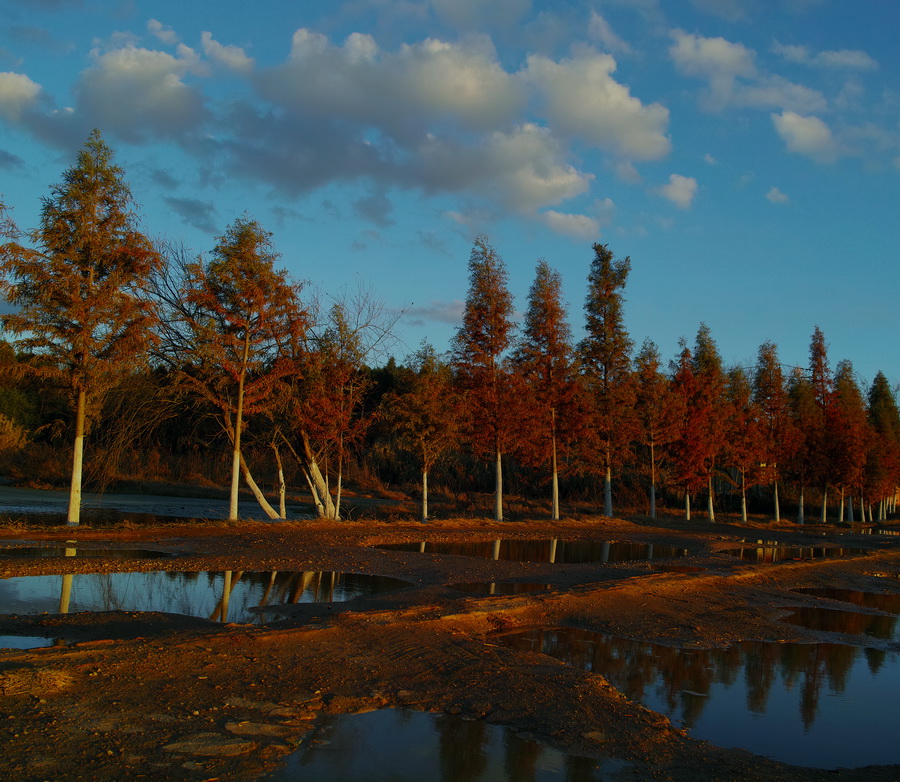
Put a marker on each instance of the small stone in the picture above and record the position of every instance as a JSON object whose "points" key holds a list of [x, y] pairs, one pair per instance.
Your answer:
{"points": [[594, 735]]}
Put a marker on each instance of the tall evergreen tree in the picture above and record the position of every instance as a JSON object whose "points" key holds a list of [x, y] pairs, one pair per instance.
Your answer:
{"points": [[805, 422], [744, 444], [657, 409], [543, 358], [849, 434], [883, 459], [80, 288], [478, 347], [605, 355], [770, 398], [710, 408], [819, 446]]}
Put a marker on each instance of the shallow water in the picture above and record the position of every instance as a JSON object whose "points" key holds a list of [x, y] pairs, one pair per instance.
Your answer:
{"points": [[554, 551], [879, 601], [817, 705], [396, 745], [775, 553], [223, 596]]}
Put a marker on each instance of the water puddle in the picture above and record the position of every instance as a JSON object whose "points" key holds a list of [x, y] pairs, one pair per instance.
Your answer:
{"points": [[817, 705], [553, 551], [40, 552], [232, 596], [502, 587], [24, 641], [768, 552], [881, 602], [834, 620], [396, 745]]}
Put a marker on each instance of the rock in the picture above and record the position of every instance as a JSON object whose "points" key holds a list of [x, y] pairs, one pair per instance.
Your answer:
{"points": [[286, 732], [594, 735], [211, 745]]}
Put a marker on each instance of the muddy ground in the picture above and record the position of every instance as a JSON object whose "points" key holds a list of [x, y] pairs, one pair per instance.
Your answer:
{"points": [[157, 696]]}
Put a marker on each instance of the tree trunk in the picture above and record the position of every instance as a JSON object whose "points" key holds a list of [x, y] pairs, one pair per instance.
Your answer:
{"points": [[841, 510], [74, 514], [607, 492], [711, 511], [318, 487], [743, 496], [825, 505], [800, 519], [687, 506], [652, 482], [554, 479], [282, 488], [777, 507], [257, 492], [424, 494], [236, 440], [498, 495]]}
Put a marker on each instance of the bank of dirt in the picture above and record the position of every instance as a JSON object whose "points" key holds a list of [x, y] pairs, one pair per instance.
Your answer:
{"points": [[162, 696]]}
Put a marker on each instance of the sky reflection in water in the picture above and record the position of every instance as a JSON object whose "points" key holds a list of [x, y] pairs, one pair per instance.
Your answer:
{"points": [[819, 705]]}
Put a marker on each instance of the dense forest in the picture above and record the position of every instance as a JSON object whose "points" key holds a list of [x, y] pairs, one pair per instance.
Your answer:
{"points": [[128, 359]]}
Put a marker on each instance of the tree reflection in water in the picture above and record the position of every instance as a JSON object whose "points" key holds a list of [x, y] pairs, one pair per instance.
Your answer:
{"points": [[736, 696]]}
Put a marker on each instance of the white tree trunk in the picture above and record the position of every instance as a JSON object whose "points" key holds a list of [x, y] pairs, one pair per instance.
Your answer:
{"points": [[236, 439], [743, 496], [424, 494], [800, 519], [607, 492], [652, 482], [824, 519], [282, 487], [777, 507], [554, 479], [687, 506], [841, 509], [257, 492], [74, 512], [711, 511], [498, 495]]}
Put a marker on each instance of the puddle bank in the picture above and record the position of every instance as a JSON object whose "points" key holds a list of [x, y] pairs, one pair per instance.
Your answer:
{"points": [[554, 551], [232, 596], [395, 745], [815, 705]]}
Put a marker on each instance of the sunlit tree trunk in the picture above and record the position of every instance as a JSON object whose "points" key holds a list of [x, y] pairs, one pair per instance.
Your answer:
{"points": [[687, 506], [652, 482], [777, 506], [607, 492], [282, 487], [824, 519], [554, 486], [74, 515], [498, 495], [841, 505], [239, 424], [709, 501], [800, 519], [743, 496], [424, 494]]}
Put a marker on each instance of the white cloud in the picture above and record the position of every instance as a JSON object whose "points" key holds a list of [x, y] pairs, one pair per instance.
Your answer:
{"points": [[807, 136], [776, 196], [439, 311], [17, 93], [733, 78], [680, 190], [232, 57], [599, 29], [574, 225], [710, 160], [582, 99], [844, 59], [165, 34], [138, 92]]}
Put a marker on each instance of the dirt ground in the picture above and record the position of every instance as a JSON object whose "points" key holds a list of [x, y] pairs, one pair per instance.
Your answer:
{"points": [[159, 696]]}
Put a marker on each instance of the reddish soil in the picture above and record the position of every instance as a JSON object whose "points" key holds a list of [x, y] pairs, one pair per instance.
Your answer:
{"points": [[158, 696]]}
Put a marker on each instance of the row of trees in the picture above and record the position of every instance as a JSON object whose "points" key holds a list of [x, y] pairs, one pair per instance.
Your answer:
{"points": [[234, 337]]}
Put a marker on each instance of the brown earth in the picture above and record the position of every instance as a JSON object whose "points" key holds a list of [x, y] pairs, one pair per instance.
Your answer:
{"points": [[159, 696]]}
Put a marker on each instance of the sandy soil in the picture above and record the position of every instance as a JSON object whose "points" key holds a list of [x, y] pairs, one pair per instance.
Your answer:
{"points": [[170, 697]]}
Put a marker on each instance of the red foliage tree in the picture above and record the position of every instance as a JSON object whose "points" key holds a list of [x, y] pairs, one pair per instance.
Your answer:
{"points": [[478, 349], [745, 442]]}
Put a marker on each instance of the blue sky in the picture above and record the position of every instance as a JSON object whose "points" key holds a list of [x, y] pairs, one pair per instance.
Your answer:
{"points": [[745, 154]]}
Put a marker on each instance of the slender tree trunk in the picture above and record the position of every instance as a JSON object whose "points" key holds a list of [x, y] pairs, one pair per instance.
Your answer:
{"points": [[554, 480], [282, 488], [239, 424], [687, 506], [340, 477], [825, 505], [318, 487], [743, 496], [800, 519], [498, 494], [841, 510], [711, 511], [257, 492], [652, 482], [607, 492], [424, 494], [777, 507], [74, 514]]}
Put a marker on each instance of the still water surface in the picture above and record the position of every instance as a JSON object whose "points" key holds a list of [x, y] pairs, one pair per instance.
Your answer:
{"points": [[223, 596], [395, 745], [554, 551], [775, 553], [818, 705]]}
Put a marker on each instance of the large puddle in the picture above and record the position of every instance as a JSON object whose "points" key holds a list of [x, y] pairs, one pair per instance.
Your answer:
{"points": [[770, 553], [837, 620], [41, 552], [817, 705], [553, 551], [232, 596], [409, 746]]}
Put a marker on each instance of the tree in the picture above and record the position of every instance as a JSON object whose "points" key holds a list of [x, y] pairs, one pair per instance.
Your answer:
{"points": [[478, 347], [883, 459], [656, 408], [424, 415], [849, 434], [770, 398], [805, 422], [687, 451], [744, 445], [543, 358], [818, 442], [81, 288], [246, 319], [605, 355]]}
